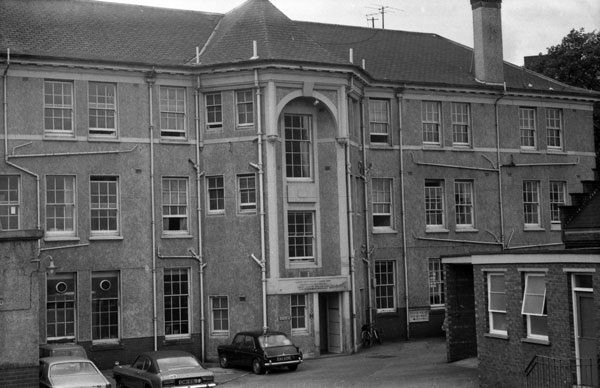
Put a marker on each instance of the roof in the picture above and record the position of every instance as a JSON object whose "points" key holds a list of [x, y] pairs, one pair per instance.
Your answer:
{"points": [[88, 30]]}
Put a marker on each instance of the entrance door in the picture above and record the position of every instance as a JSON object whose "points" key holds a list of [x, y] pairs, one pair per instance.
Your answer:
{"points": [[585, 334], [330, 318]]}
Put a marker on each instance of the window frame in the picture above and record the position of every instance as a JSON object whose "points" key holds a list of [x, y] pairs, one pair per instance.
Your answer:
{"points": [[554, 129], [491, 311], [173, 110], [528, 128], [436, 212], [245, 194], [100, 233], [377, 120], [540, 316], [213, 109], [212, 194], [389, 287], [459, 122], [63, 107], [98, 131], [166, 190], [65, 205], [13, 207], [382, 197], [557, 199], [299, 313], [468, 206], [69, 297], [431, 119], [531, 205], [113, 275], [184, 308], [303, 148], [248, 109], [437, 294], [213, 317], [307, 237]]}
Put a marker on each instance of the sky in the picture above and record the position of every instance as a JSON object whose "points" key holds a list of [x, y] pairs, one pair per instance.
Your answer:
{"points": [[529, 27]]}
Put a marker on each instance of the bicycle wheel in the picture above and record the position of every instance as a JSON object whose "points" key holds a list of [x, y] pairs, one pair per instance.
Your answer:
{"points": [[366, 339], [377, 336]]}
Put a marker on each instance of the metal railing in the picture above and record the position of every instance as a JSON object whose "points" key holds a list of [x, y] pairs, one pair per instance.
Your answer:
{"points": [[553, 372]]}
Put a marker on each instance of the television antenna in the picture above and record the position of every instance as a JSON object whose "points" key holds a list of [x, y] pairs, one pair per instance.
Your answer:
{"points": [[371, 18], [383, 9]]}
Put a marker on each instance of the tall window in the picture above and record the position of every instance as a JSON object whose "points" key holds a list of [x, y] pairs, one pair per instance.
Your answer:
{"points": [[557, 199], [298, 312], [379, 120], [216, 194], [60, 205], [10, 203], [102, 105], [58, 107], [172, 112], [245, 107], [382, 202], [214, 110], [430, 116], [298, 146], [301, 236], [60, 306], [220, 314], [531, 203], [461, 124], [527, 127], [434, 204], [385, 281], [496, 303], [247, 193], [177, 301], [105, 305], [104, 205], [437, 297], [175, 205], [554, 128], [534, 306], [463, 199]]}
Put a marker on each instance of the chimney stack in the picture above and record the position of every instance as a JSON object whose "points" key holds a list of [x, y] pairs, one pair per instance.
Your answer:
{"points": [[487, 36]]}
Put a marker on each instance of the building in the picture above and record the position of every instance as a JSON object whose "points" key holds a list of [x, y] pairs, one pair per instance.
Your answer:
{"points": [[196, 174]]}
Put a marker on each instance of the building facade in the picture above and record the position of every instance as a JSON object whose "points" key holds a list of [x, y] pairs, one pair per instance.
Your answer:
{"points": [[198, 174]]}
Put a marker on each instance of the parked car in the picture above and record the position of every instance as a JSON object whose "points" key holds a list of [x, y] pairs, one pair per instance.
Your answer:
{"points": [[70, 372], [62, 349], [260, 350], [164, 368]]}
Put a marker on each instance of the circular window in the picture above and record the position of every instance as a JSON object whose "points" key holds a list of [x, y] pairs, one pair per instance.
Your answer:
{"points": [[105, 285], [61, 287]]}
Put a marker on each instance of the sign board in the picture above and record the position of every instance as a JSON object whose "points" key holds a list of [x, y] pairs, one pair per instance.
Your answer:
{"points": [[308, 285], [421, 315]]}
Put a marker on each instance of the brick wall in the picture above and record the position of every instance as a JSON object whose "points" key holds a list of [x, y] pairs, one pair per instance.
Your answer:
{"points": [[19, 377], [461, 340]]}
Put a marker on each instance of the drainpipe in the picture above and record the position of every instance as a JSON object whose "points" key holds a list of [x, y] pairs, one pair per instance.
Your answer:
{"points": [[368, 250], [151, 79], [351, 241], [403, 209], [498, 164]]}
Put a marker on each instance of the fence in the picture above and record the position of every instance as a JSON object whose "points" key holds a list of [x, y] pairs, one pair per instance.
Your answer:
{"points": [[552, 372]]}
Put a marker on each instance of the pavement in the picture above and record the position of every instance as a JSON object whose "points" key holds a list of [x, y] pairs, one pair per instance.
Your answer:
{"points": [[417, 363]]}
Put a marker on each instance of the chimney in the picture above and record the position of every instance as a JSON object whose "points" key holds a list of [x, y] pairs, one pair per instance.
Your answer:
{"points": [[487, 36]]}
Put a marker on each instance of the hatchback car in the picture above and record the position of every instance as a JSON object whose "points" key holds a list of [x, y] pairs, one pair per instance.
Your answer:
{"points": [[164, 368], [260, 350], [70, 372]]}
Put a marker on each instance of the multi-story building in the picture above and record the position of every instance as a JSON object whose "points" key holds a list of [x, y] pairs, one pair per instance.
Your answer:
{"points": [[196, 174]]}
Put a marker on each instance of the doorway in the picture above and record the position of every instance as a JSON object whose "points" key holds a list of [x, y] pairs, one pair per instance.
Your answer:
{"points": [[330, 322], [584, 315]]}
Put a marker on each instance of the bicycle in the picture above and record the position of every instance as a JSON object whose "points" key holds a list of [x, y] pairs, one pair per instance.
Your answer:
{"points": [[370, 334]]}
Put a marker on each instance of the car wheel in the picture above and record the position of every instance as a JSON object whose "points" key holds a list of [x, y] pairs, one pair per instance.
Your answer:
{"points": [[224, 361], [257, 367], [293, 367], [119, 384]]}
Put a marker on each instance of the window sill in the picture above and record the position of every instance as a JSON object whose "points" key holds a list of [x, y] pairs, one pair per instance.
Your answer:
{"points": [[100, 238], [174, 141], [61, 238], [556, 151], [108, 139], [462, 147], [384, 231], [437, 230], [60, 137], [107, 345], [536, 341], [496, 336], [249, 127], [556, 227], [466, 230], [534, 229], [170, 236], [380, 146], [220, 334], [215, 213], [530, 151]]}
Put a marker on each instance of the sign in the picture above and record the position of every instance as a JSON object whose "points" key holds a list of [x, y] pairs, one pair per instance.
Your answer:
{"points": [[421, 315], [308, 285]]}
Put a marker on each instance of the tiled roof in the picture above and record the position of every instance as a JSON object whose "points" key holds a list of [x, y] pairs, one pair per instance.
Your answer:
{"points": [[97, 31]]}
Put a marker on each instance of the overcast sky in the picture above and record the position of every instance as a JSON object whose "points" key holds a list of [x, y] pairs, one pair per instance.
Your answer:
{"points": [[529, 26]]}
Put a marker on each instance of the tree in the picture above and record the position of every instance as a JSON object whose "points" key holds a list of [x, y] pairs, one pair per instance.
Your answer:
{"points": [[575, 62]]}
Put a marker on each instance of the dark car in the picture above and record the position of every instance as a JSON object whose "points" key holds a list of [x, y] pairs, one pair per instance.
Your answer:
{"points": [[260, 350], [164, 368], [70, 372]]}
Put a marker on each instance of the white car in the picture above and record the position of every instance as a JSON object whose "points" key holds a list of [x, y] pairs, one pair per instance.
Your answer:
{"points": [[70, 372]]}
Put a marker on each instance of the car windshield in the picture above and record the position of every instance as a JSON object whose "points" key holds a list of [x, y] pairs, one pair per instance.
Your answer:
{"points": [[176, 362], [72, 368], [274, 340]]}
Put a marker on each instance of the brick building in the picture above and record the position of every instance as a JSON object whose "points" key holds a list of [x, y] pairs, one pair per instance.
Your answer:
{"points": [[196, 174]]}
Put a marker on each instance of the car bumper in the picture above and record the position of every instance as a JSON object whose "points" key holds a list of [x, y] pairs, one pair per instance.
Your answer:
{"points": [[203, 385], [282, 363]]}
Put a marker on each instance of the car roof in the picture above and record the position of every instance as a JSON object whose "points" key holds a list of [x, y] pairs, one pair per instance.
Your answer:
{"points": [[63, 359]]}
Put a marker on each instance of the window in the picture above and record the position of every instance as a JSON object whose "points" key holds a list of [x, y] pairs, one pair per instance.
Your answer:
{"points": [[531, 204], [175, 205], [461, 124], [527, 128], [220, 314], [104, 206], [301, 236], [58, 107], [172, 112], [60, 306], [554, 128], [434, 204], [437, 297], [60, 205], [214, 110], [463, 199], [298, 146], [534, 306], [10, 203], [298, 313], [385, 281], [379, 121], [382, 202], [177, 301], [247, 193], [102, 107], [216, 194], [245, 108], [105, 306], [557, 199], [430, 116], [497, 303]]}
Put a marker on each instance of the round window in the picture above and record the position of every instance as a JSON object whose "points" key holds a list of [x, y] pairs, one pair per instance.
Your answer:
{"points": [[61, 287], [105, 285]]}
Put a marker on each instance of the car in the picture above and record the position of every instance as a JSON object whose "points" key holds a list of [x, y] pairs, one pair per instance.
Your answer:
{"points": [[62, 349], [261, 350], [164, 368], [70, 372]]}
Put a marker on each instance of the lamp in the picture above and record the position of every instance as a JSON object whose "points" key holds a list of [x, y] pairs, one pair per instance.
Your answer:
{"points": [[51, 267]]}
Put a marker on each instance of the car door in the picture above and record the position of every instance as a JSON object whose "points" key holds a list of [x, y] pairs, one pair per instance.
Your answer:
{"points": [[233, 355], [247, 351], [136, 378]]}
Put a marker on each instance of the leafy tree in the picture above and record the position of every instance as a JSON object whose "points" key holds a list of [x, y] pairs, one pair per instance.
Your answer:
{"points": [[575, 62]]}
